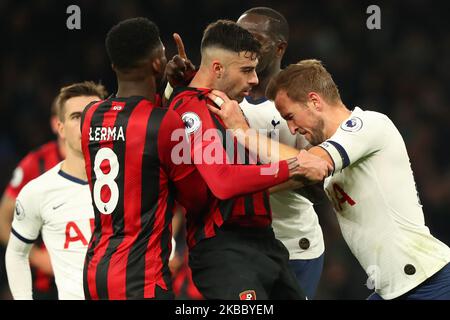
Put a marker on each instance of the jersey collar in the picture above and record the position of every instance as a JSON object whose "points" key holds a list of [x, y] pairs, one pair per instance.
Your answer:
{"points": [[250, 100], [71, 178]]}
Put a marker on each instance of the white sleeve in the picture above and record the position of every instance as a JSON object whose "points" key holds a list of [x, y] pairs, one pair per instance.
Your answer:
{"points": [[27, 221], [355, 139], [18, 268]]}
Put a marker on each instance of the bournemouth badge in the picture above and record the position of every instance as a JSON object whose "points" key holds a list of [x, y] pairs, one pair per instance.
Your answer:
{"points": [[247, 295]]}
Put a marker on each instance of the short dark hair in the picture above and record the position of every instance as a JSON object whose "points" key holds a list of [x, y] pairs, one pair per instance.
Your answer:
{"points": [[226, 34], [130, 41], [81, 89], [278, 23]]}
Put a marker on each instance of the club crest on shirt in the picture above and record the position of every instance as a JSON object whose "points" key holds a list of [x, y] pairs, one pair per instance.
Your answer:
{"points": [[352, 125], [247, 295], [19, 212], [191, 122], [17, 177], [273, 133]]}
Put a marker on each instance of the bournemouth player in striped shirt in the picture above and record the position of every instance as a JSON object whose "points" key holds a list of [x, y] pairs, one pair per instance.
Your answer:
{"points": [[233, 251], [129, 251]]}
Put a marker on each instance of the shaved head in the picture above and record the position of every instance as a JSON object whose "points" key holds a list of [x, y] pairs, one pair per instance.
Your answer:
{"points": [[274, 23], [226, 57]]}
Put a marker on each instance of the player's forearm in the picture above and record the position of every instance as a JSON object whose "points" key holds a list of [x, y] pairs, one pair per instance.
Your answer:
{"points": [[268, 150], [18, 269], [228, 181]]}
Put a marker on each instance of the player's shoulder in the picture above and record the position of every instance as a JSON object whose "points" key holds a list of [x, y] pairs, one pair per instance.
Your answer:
{"points": [[42, 150], [371, 115], [365, 120], [41, 184], [188, 99], [51, 146], [29, 165]]}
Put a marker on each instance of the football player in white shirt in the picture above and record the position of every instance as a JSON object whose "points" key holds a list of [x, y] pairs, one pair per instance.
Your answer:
{"points": [[372, 186], [58, 205], [295, 222]]}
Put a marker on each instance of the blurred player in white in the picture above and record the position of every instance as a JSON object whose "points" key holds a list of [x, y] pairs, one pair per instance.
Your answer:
{"points": [[372, 187], [58, 205], [295, 222]]}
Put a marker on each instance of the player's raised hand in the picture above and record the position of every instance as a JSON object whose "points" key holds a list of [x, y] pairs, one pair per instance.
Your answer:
{"points": [[228, 110], [311, 169], [179, 70], [180, 46]]}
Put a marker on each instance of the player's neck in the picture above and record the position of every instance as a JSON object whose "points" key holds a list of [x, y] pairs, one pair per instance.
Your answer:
{"points": [[74, 165], [335, 117], [129, 88], [264, 77], [201, 80]]}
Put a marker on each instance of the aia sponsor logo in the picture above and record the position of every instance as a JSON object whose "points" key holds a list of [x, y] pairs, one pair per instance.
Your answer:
{"points": [[247, 295]]}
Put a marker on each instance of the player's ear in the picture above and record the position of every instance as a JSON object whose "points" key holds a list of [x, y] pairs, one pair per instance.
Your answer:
{"points": [[217, 69], [157, 67], [61, 131], [54, 120], [316, 101], [281, 48]]}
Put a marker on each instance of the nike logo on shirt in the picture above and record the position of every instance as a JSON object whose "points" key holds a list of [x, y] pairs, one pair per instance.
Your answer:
{"points": [[58, 206]]}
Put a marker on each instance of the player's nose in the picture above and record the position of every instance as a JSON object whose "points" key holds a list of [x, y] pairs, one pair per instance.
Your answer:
{"points": [[292, 127], [253, 80]]}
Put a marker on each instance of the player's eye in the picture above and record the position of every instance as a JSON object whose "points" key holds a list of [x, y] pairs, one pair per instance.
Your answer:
{"points": [[247, 70]]}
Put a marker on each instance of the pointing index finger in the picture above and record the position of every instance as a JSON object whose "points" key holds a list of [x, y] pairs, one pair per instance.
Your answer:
{"points": [[180, 46]]}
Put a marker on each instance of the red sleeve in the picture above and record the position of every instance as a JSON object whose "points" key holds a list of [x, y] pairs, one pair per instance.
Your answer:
{"points": [[27, 170], [228, 181], [203, 147], [174, 147]]}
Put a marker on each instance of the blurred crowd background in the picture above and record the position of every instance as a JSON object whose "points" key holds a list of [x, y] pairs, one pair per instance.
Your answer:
{"points": [[402, 70]]}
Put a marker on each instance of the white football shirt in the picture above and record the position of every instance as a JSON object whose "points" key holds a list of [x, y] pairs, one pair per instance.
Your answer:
{"points": [[59, 207], [294, 217], [377, 205]]}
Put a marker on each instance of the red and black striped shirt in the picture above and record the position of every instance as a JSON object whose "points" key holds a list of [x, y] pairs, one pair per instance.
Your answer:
{"points": [[129, 250], [33, 165], [217, 193]]}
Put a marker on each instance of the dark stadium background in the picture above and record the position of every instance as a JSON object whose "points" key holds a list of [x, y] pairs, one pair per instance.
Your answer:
{"points": [[402, 70]]}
